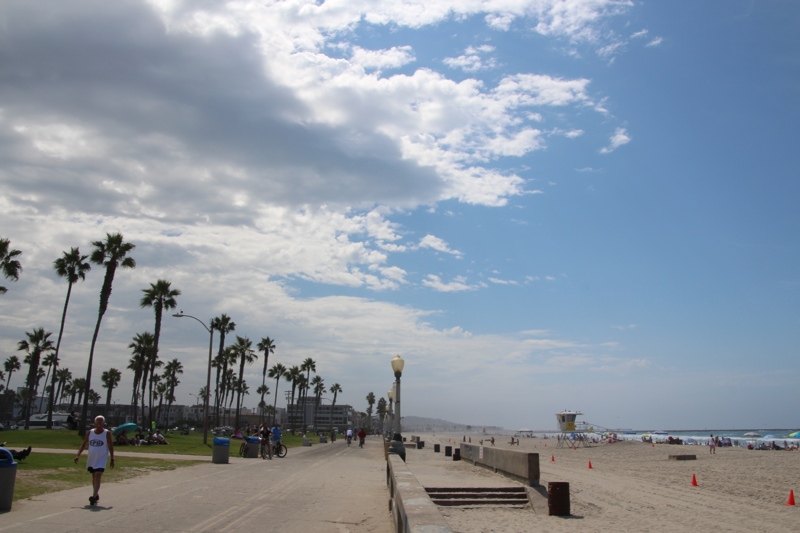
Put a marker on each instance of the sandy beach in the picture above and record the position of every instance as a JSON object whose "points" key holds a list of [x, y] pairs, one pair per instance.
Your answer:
{"points": [[632, 486]]}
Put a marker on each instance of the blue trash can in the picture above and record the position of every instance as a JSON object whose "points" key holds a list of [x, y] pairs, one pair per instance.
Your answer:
{"points": [[221, 451], [8, 478], [252, 447]]}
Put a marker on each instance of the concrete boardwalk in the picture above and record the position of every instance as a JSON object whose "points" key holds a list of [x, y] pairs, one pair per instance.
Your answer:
{"points": [[323, 488]]}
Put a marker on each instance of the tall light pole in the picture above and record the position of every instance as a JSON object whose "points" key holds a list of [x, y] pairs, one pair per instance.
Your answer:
{"points": [[397, 440], [210, 331]]}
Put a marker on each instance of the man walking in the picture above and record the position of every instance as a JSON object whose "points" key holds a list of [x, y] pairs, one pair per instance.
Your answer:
{"points": [[100, 445]]}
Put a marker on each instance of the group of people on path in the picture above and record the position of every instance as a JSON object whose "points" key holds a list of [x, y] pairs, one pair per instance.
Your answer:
{"points": [[270, 436]]}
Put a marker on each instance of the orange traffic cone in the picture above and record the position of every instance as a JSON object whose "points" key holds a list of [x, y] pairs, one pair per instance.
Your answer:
{"points": [[694, 481], [790, 501], [590, 465], [552, 458]]}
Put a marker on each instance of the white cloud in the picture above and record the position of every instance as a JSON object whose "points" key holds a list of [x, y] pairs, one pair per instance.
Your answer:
{"points": [[472, 60], [435, 243], [395, 57], [458, 284], [655, 42], [620, 138]]}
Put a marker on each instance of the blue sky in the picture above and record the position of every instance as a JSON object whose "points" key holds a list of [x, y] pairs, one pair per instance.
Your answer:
{"points": [[540, 204]]}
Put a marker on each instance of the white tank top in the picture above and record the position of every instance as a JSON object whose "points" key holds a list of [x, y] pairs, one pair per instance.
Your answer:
{"points": [[98, 449]]}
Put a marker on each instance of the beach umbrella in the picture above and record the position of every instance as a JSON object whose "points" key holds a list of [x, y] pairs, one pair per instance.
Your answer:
{"points": [[795, 435], [130, 427], [770, 437]]}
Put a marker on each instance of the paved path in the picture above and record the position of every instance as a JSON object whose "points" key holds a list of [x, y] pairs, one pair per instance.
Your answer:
{"points": [[324, 488]]}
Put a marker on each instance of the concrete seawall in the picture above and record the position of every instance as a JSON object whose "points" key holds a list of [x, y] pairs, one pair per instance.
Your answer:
{"points": [[517, 465]]}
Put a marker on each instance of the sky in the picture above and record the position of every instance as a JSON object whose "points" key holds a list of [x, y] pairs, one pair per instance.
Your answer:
{"points": [[540, 204]]}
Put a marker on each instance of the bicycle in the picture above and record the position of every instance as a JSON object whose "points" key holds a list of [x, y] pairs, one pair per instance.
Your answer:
{"points": [[279, 448], [265, 449], [243, 449]]}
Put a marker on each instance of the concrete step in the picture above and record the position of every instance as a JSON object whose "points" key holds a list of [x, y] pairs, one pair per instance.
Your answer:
{"points": [[513, 497]]}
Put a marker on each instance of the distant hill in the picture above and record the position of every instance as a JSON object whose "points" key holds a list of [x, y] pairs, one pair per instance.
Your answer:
{"points": [[421, 423]]}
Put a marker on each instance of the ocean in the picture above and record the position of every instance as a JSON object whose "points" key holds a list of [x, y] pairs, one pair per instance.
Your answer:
{"points": [[738, 437]]}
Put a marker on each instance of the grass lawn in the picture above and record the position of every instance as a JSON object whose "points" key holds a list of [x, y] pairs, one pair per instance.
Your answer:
{"points": [[40, 472], [191, 444]]}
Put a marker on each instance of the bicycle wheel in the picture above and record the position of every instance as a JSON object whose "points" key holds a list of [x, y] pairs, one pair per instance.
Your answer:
{"points": [[243, 450], [264, 453], [280, 450]]}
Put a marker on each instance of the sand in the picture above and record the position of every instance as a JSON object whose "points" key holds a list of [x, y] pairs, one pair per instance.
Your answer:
{"points": [[631, 486]]}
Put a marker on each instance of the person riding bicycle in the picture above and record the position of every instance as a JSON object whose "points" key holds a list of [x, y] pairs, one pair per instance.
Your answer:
{"points": [[361, 436], [276, 435], [264, 434], [349, 436]]}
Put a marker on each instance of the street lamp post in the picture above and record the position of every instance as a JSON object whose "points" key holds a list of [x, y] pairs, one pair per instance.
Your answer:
{"points": [[210, 331], [397, 445]]}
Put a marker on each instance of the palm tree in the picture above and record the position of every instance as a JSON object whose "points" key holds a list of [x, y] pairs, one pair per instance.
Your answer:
{"points": [[110, 379], [277, 372], [263, 390], [382, 409], [319, 390], [307, 366], [63, 376], [72, 266], [224, 325], [161, 297], [335, 389], [51, 362], [11, 365], [161, 390], [141, 347], [78, 388], [111, 253], [267, 346], [293, 376], [243, 347], [370, 403], [10, 266], [171, 371], [37, 343]]}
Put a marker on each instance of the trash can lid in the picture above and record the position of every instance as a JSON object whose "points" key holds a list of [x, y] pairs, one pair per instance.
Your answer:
{"points": [[253, 439], [222, 441], [6, 459]]}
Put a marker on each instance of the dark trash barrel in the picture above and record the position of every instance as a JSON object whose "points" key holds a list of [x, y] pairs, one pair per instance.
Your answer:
{"points": [[221, 451], [253, 447], [558, 498], [8, 478], [457, 454], [448, 451], [436, 448], [420, 444]]}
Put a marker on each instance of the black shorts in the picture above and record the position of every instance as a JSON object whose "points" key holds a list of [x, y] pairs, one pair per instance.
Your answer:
{"points": [[93, 470]]}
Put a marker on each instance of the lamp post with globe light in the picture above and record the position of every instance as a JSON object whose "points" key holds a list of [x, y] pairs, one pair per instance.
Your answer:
{"points": [[210, 331], [397, 439]]}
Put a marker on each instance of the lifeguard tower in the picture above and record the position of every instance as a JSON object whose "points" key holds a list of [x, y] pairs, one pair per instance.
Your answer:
{"points": [[569, 435]]}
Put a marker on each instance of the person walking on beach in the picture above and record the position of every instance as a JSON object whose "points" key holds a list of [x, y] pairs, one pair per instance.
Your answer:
{"points": [[100, 445], [712, 445]]}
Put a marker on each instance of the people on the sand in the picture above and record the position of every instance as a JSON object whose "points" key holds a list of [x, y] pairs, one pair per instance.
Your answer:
{"points": [[361, 436], [100, 446], [712, 445]]}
